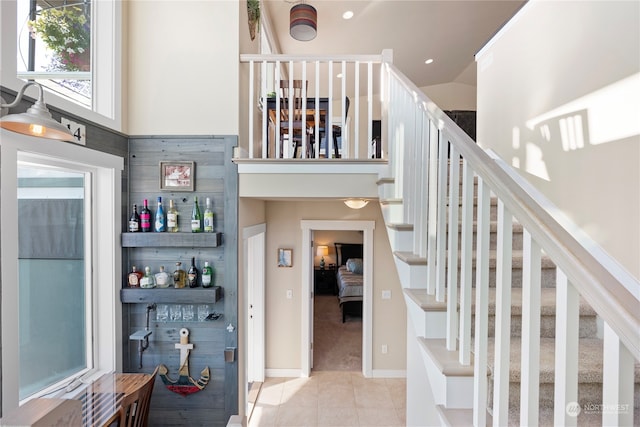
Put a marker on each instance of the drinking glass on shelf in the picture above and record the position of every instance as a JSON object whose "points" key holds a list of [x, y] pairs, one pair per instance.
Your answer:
{"points": [[187, 313], [203, 312], [176, 312], [162, 312]]}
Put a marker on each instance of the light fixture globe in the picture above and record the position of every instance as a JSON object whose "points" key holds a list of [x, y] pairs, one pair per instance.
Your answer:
{"points": [[356, 203], [303, 22]]}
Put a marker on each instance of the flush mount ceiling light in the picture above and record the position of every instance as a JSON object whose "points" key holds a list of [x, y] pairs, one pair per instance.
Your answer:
{"points": [[356, 203], [303, 22], [37, 121]]}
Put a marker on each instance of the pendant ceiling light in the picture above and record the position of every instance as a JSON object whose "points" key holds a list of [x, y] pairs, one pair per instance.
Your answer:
{"points": [[303, 22]]}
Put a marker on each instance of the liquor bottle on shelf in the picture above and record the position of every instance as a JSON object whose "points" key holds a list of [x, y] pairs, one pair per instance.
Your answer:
{"points": [[145, 217], [172, 218], [196, 217], [133, 278], [179, 276], [192, 274], [207, 275], [208, 217], [148, 281], [160, 223], [134, 220], [162, 278]]}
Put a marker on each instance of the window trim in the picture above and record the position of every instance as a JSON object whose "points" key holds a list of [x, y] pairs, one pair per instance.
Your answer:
{"points": [[105, 247], [106, 67]]}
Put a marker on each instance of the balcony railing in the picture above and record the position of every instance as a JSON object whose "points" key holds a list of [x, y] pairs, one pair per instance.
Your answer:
{"points": [[346, 89]]}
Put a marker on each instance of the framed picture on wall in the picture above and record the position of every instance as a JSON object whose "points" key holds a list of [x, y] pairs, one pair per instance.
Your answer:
{"points": [[177, 176], [284, 257]]}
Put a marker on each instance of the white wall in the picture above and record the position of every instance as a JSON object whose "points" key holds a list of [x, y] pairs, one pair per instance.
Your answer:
{"points": [[452, 96], [183, 68], [573, 64]]}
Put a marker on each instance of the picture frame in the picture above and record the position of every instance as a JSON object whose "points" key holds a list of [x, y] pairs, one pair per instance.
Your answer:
{"points": [[285, 257], [177, 176]]}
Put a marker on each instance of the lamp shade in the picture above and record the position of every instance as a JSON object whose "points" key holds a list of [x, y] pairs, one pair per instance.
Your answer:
{"points": [[303, 22], [356, 203], [37, 121], [322, 251]]}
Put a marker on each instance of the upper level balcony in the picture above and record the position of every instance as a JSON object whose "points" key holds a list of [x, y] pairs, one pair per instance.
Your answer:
{"points": [[324, 117]]}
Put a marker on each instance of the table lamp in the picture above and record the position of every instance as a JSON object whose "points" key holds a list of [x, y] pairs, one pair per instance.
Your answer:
{"points": [[322, 252]]}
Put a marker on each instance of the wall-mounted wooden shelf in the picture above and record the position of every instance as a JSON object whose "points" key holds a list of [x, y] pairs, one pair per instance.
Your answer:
{"points": [[179, 240], [171, 295]]}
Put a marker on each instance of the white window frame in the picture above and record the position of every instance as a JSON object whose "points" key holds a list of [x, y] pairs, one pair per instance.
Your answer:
{"points": [[105, 259], [106, 66]]}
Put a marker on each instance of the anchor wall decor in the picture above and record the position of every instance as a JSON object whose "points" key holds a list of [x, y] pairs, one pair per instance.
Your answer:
{"points": [[184, 385]]}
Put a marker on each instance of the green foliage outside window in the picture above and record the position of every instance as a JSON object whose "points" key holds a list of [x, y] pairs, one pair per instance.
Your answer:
{"points": [[67, 33]]}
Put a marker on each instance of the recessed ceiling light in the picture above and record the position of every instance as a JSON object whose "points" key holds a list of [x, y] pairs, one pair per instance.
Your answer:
{"points": [[428, 61], [347, 15], [339, 75]]}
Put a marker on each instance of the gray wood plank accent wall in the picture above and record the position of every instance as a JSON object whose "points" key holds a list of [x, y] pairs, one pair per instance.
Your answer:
{"points": [[216, 178]]}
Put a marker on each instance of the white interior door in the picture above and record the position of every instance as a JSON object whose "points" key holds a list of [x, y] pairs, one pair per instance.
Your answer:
{"points": [[255, 279]]}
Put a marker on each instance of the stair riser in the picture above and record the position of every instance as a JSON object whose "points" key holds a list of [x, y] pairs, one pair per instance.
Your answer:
{"points": [[400, 240], [547, 277], [516, 240], [411, 276], [588, 326], [391, 212]]}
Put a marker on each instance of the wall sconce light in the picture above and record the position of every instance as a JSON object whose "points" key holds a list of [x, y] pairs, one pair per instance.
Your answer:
{"points": [[37, 121], [356, 203], [322, 251], [303, 22]]}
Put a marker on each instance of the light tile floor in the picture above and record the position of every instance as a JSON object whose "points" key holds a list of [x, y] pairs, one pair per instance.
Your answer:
{"points": [[330, 399]]}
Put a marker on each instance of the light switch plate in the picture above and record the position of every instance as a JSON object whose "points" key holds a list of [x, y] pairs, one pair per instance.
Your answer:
{"points": [[386, 294]]}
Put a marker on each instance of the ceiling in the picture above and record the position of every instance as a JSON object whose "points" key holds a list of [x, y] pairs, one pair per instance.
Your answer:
{"points": [[450, 32]]}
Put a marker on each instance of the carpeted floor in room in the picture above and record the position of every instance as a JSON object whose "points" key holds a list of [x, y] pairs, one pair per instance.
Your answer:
{"points": [[337, 346]]}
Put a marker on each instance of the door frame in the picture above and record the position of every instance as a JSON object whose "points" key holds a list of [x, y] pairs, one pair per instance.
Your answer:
{"points": [[367, 227]]}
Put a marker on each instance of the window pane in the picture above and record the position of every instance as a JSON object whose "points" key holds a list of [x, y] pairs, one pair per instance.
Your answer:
{"points": [[52, 288], [54, 37]]}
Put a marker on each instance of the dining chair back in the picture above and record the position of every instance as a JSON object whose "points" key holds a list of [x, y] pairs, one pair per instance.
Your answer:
{"points": [[292, 122], [134, 411]]}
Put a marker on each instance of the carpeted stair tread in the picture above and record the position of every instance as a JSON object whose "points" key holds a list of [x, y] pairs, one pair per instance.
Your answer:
{"points": [[590, 355], [425, 301]]}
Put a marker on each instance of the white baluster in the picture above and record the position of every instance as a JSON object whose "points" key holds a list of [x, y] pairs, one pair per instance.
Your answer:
{"points": [[530, 364], [432, 208], [617, 381], [503, 317], [452, 279], [441, 233], [466, 256], [566, 357]]}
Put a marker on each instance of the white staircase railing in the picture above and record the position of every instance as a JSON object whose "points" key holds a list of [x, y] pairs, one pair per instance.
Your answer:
{"points": [[425, 148], [342, 92]]}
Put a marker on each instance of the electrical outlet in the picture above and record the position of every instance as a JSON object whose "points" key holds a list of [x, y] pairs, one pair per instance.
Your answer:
{"points": [[385, 349], [289, 294], [386, 294], [78, 131]]}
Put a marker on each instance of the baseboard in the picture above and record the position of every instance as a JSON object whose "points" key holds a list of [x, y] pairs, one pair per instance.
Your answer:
{"points": [[387, 373], [282, 373]]}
